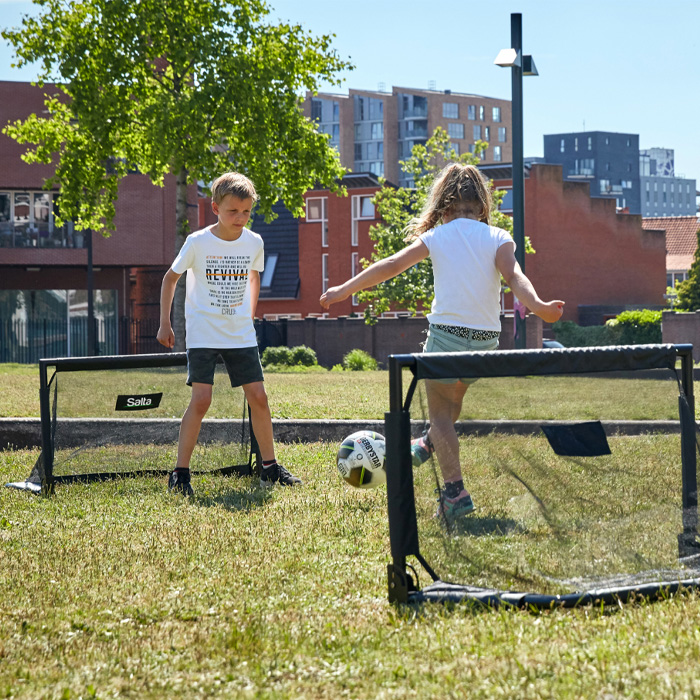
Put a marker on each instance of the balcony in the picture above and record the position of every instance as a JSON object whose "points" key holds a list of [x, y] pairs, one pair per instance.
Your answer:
{"points": [[28, 236]]}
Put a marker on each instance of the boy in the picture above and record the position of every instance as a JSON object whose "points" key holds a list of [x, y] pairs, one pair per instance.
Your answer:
{"points": [[224, 262]]}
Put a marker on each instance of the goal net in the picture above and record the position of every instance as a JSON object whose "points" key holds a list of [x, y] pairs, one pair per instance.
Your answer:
{"points": [[119, 416], [573, 504]]}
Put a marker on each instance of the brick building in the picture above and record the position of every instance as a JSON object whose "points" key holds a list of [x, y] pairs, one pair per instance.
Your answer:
{"points": [[597, 260], [681, 243], [43, 268]]}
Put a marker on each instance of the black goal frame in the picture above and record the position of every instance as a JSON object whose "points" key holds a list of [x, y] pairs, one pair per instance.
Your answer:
{"points": [[44, 467], [403, 526]]}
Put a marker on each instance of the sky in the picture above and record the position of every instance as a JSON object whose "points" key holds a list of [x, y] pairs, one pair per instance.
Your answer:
{"points": [[604, 65]]}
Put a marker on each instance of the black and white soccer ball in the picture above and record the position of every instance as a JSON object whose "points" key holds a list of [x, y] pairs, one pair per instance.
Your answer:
{"points": [[361, 459]]}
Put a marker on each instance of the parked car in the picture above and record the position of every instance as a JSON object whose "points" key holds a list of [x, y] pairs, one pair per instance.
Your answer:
{"points": [[552, 344]]}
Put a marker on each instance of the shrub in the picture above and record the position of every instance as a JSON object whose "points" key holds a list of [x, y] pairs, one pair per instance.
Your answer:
{"points": [[358, 361], [301, 355], [280, 355], [572, 335], [638, 327]]}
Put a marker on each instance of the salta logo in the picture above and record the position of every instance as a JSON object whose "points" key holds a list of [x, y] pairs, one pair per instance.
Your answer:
{"points": [[137, 402]]}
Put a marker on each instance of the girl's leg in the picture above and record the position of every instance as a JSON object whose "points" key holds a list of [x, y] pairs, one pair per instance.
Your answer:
{"points": [[192, 423], [444, 407]]}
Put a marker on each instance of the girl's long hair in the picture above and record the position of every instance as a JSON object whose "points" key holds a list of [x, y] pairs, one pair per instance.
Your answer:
{"points": [[458, 187]]}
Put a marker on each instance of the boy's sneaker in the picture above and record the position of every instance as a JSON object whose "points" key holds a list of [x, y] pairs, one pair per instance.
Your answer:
{"points": [[452, 508], [277, 474], [179, 482], [421, 449]]}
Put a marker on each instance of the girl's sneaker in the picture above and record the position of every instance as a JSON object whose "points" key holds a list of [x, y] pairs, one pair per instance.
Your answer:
{"points": [[452, 508], [277, 474], [421, 449]]}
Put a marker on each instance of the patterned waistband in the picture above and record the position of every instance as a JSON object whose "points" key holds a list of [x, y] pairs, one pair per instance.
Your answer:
{"points": [[464, 332]]}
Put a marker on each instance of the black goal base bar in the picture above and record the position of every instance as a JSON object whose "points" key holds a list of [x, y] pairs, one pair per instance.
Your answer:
{"points": [[47, 488], [441, 592]]}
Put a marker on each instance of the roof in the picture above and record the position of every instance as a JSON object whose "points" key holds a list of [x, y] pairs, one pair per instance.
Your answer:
{"points": [[681, 238], [502, 171]]}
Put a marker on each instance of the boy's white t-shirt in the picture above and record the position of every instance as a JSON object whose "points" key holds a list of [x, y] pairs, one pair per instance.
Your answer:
{"points": [[467, 281], [218, 305]]}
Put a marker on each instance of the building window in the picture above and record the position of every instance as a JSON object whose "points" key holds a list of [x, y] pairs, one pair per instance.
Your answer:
{"points": [[561, 145], [316, 110], [455, 147], [497, 153], [316, 212], [450, 110], [27, 221], [324, 273], [362, 208], [576, 143], [471, 111], [456, 130], [354, 269], [268, 273], [358, 151], [590, 143], [377, 131], [481, 112], [502, 134], [476, 132], [487, 133], [496, 114]]}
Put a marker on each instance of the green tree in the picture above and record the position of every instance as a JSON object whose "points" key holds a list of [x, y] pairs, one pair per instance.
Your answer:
{"points": [[688, 291], [189, 87], [413, 289]]}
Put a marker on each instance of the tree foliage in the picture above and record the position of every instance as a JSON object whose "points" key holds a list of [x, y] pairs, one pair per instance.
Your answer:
{"points": [[413, 289], [193, 87], [688, 291]]}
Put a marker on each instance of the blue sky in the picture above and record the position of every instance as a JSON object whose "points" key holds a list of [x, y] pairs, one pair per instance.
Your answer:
{"points": [[614, 65]]}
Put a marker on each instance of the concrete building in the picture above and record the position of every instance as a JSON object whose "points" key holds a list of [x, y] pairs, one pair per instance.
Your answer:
{"points": [[374, 130], [607, 161], [663, 192]]}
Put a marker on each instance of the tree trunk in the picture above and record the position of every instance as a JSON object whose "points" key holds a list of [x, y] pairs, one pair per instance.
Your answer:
{"points": [[182, 228]]}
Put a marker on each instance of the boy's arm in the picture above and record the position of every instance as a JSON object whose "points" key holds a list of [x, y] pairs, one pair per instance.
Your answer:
{"points": [[167, 292], [549, 311], [376, 273], [254, 277]]}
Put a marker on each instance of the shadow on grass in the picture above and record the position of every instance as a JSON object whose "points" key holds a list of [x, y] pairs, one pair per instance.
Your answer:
{"points": [[247, 497], [485, 526]]}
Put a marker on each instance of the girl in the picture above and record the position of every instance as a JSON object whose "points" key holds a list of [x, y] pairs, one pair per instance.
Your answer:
{"points": [[469, 256]]}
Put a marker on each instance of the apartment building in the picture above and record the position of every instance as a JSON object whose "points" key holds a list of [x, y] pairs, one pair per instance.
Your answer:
{"points": [[663, 192], [608, 161], [375, 130]]}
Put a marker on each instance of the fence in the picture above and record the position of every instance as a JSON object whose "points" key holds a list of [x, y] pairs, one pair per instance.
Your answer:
{"points": [[27, 341]]}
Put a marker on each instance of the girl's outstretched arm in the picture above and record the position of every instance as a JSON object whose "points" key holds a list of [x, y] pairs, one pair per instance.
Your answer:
{"points": [[515, 278], [376, 273]]}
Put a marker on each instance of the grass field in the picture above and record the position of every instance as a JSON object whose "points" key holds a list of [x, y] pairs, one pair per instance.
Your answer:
{"points": [[118, 589]]}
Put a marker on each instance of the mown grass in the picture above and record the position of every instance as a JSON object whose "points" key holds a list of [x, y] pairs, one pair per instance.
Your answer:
{"points": [[119, 590], [355, 395]]}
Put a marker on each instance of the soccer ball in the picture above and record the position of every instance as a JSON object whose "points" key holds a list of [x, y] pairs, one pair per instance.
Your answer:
{"points": [[361, 459]]}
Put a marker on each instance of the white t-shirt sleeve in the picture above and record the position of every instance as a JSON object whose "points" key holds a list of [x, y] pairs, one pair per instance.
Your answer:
{"points": [[185, 258], [504, 237], [427, 238], [258, 262]]}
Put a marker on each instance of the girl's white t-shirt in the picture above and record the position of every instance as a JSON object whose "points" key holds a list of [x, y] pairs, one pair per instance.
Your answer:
{"points": [[467, 281], [218, 305]]}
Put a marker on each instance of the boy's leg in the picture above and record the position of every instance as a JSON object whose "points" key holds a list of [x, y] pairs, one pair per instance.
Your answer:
{"points": [[192, 423], [261, 417]]}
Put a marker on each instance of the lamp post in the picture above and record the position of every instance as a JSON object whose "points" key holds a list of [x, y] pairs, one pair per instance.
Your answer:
{"points": [[520, 65]]}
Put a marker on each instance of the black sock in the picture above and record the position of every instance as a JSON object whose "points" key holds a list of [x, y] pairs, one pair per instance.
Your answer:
{"points": [[454, 488], [267, 463]]}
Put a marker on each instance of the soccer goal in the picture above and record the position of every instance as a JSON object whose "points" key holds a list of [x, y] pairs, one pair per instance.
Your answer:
{"points": [[119, 416], [568, 512]]}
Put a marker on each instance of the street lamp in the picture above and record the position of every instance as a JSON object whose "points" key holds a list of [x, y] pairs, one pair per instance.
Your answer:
{"points": [[520, 65]]}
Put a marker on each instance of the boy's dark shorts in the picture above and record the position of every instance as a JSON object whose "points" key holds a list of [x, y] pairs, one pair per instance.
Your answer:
{"points": [[243, 365]]}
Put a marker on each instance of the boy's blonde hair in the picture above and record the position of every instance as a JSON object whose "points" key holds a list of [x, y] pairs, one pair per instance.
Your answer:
{"points": [[235, 184], [458, 188]]}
